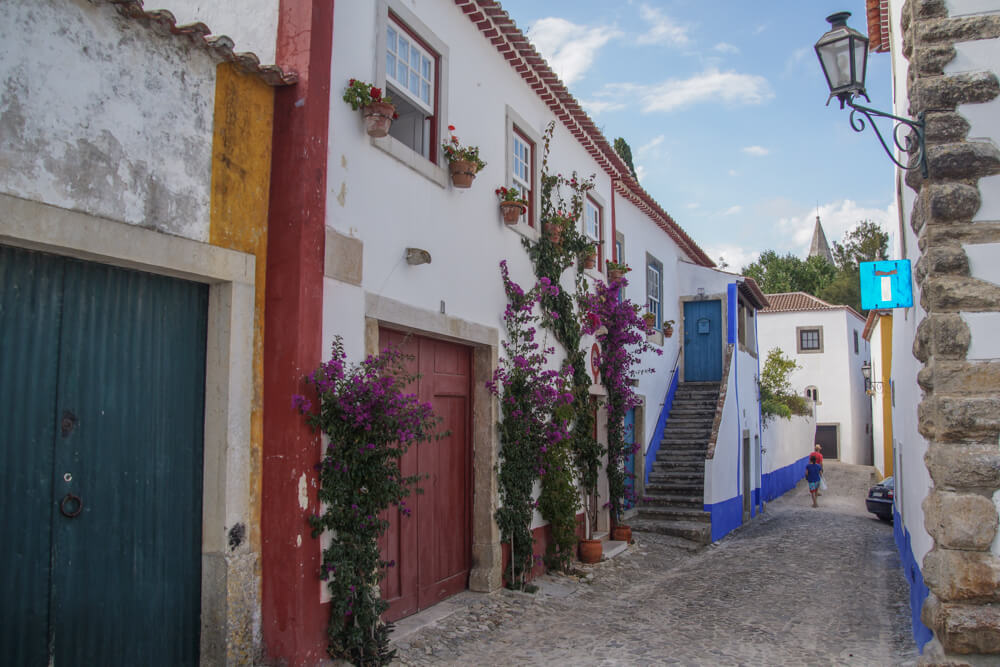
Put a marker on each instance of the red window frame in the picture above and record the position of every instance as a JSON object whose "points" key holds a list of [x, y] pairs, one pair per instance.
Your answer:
{"points": [[432, 152], [600, 232], [531, 173]]}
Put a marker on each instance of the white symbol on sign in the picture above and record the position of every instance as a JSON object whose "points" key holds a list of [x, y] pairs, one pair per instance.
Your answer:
{"points": [[886, 283]]}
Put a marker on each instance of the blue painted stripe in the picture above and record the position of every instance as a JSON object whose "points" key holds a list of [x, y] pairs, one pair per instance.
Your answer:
{"points": [[915, 578], [731, 304], [727, 516], [778, 482], [661, 423]]}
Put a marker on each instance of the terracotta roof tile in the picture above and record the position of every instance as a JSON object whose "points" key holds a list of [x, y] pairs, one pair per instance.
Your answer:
{"points": [[785, 302], [526, 61], [221, 46]]}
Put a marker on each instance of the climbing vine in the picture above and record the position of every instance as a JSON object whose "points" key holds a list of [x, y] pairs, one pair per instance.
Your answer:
{"points": [[370, 422], [559, 498], [622, 332], [532, 399]]}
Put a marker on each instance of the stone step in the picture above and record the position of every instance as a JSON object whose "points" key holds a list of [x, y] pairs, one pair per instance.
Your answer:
{"points": [[692, 455], [692, 416], [673, 486], [696, 531], [677, 444], [689, 405], [662, 513], [673, 500], [695, 467], [679, 476]]}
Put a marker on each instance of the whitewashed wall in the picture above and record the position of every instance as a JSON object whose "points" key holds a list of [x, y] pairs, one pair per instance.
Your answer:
{"points": [[787, 441], [131, 143], [253, 26], [836, 372]]}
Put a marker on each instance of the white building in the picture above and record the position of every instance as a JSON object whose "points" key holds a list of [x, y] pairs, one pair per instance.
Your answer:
{"points": [[826, 342]]}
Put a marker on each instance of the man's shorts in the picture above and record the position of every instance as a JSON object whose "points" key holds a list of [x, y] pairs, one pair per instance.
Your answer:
{"points": [[813, 486]]}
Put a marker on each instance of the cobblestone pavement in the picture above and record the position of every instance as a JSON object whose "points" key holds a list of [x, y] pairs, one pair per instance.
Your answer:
{"points": [[796, 586]]}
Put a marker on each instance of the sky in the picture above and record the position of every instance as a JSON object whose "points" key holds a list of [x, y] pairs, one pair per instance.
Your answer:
{"points": [[722, 103]]}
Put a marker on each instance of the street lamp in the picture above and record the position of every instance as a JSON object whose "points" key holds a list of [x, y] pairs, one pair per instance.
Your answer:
{"points": [[870, 387], [843, 55]]}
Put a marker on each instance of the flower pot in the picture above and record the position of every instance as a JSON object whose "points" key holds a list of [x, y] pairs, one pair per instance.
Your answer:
{"points": [[650, 319], [591, 551], [553, 232], [590, 261], [511, 211], [668, 331], [622, 534], [615, 274], [463, 173], [378, 118]]}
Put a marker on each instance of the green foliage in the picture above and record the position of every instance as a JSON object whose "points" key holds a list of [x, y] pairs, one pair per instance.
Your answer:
{"points": [[787, 273], [370, 423], [777, 399], [625, 153], [865, 243]]}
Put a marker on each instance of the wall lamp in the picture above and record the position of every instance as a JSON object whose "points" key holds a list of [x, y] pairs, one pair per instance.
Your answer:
{"points": [[871, 388], [843, 55]]}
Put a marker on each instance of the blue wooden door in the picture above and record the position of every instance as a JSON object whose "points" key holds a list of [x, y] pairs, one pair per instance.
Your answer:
{"points": [[103, 377], [703, 341], [629, 459]]}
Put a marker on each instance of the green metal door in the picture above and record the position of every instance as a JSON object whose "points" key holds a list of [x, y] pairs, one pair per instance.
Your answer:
{"points": [[101, 436]]}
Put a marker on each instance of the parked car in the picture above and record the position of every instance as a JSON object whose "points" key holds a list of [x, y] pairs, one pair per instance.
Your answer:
{"points": [[879, 500]]}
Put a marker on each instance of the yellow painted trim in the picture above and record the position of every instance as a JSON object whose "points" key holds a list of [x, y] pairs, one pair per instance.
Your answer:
{"points": [[885, 329], [241, 173]]}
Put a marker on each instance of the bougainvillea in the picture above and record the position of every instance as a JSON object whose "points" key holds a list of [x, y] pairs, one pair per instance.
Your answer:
{"points": [[531, 395], [370, 422], [621, 332]]}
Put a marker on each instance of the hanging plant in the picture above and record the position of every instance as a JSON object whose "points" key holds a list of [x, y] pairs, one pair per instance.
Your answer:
{"points": [[622, 340], [532, 397], [370, 421]]}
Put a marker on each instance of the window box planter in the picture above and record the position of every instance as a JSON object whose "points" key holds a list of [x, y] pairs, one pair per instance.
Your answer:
{"points": [[378, 118]]}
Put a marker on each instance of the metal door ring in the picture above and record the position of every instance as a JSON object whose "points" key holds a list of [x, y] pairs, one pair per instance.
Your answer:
{"points": [[70, 498]]}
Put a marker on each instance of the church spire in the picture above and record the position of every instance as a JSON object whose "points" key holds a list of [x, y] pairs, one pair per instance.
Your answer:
{"points": [[819, 246]]}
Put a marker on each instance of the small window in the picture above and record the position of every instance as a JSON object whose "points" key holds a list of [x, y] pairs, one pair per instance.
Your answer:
{"points": [[654, 290], [813, 393], [522, 170], [810, 339], [855, 342], [412, 70], [593, 228]]}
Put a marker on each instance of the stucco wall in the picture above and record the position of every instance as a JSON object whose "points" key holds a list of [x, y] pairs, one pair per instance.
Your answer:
{"points": [[131, 142]]}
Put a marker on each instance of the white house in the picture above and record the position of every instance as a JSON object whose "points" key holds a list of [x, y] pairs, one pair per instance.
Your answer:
{"points": [[944, 381], [826, 342]]}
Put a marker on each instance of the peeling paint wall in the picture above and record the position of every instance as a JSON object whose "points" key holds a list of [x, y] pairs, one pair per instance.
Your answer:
{"points": [[110, 119]]}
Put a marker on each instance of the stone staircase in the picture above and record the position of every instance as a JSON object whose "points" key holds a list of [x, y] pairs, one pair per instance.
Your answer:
{"points": [[674, 497]]}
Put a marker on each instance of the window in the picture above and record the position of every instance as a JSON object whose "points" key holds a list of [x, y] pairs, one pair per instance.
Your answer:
{"points": [[855, 342], [593, 228], [809, 339], [619, 257], [654, 290], [410, 75], [522, 170], [813, 393], [745, 328]]}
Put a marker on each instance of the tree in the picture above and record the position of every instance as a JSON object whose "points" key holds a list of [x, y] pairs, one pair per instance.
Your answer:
{"points": [[776, 396], [865, 243], [787, 273], [625, 153]]}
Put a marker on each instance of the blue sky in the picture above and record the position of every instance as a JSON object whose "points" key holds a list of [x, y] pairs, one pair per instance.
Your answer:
{"points": [[722, 102]]}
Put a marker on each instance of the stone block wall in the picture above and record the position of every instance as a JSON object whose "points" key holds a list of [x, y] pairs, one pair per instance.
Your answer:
{"points": [[960, 411]]}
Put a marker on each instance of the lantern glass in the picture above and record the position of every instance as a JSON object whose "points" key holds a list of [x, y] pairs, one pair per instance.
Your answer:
{"points": [[866, 370], [843, 55]]}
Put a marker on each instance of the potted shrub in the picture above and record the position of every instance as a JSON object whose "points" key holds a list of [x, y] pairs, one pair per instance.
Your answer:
{"points": [[616, 270], [589, 256], [650, 319], [463, 161], [512, 205], [556, 224], [377, 109], [668, 328]]}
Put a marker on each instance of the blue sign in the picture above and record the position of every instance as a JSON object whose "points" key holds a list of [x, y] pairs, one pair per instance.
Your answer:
{"points": [[886, 285]]}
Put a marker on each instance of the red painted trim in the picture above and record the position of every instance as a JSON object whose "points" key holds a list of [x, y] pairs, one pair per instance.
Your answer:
{"points": [[293, 622], [614, 226], [531, 174], [435, 118]]}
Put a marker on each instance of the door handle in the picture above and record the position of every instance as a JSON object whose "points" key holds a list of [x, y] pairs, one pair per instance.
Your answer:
{"points": [[68, 500]]}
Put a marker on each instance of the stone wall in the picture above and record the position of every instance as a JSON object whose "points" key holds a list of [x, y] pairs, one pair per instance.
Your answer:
{"points": [[960, 411]]}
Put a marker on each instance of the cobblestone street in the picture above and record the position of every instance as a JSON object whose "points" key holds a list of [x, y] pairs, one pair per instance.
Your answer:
{"points": [[797, 586]]}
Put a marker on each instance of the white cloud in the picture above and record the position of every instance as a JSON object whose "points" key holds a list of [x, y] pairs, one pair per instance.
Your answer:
{"points": [[693, 205], [733, 172], [569, 48], [837, 218], [732, 210], [662, 29], [595, 107], [645, 148], [755, 150], [725, 47], [640, 172], [711, 86], [735, 256], [797, 57]]}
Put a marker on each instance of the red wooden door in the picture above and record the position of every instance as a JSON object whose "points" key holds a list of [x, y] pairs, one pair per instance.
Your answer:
{"points": [[432, 547]]}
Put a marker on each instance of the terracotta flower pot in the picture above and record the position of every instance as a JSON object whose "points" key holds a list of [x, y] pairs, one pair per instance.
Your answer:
{"points": [[511, 211], [590, 261], [378, 118], [622, 534], [650, 320], [554, 232], [591, 551], [463, 173], [668, 331], [615, 274]]}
